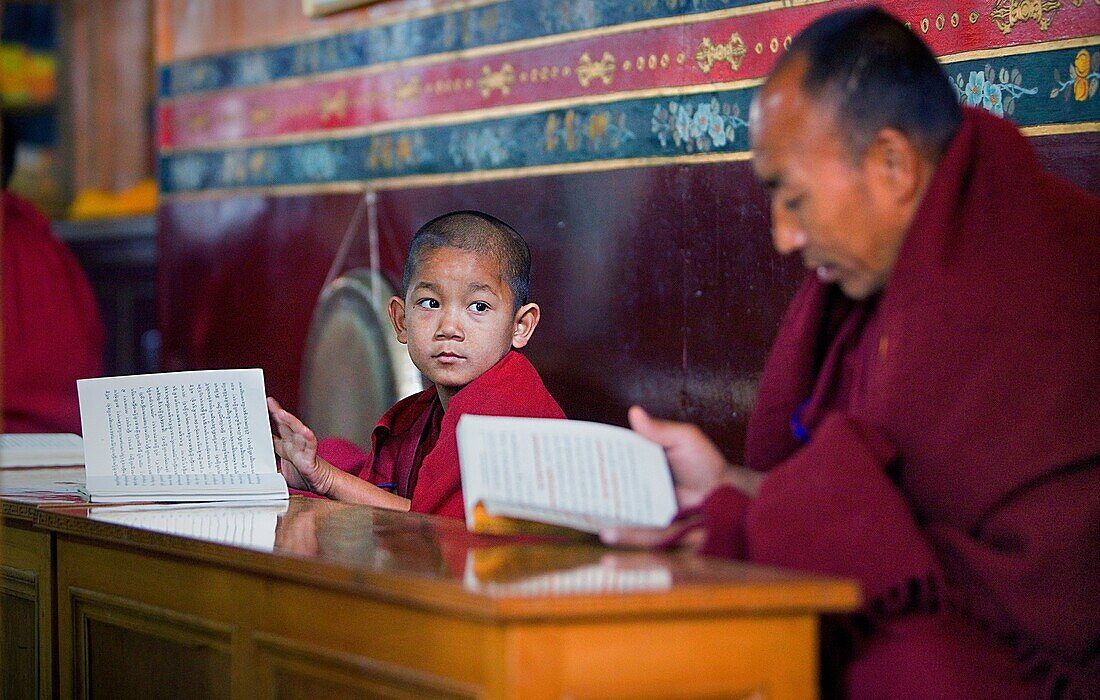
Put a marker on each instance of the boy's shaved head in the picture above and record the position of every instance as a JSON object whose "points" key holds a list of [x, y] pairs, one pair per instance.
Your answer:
{"points": [[480, 233]]}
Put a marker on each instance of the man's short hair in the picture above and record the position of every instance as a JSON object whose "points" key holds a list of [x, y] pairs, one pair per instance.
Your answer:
{"points": [[877, 74], [480, 233]]}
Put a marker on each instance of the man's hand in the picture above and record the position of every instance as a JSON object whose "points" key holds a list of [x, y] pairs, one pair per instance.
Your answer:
{"points": [[698, 466], [296, 446]]}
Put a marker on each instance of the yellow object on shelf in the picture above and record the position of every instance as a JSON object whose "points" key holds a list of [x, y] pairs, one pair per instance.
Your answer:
{"points": [[27, 78], [98, 204]]}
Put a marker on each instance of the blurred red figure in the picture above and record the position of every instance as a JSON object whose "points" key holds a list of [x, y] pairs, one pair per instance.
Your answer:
{"points": [[53, 334]]}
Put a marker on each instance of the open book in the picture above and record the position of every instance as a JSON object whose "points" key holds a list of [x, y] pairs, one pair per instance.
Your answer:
{"points": [[179, 436], [40, 450], [585, 476]]}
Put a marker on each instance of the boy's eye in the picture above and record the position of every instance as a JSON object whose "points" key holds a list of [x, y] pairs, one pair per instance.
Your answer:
{"points": [[792, 203], [428, 303], [479, 307]]}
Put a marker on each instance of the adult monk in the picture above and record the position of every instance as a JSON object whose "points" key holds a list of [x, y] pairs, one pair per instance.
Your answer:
{"points": [[928, 420]]}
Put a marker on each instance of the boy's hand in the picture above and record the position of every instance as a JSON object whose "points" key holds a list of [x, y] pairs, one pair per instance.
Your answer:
{"points": [[296, 446]]}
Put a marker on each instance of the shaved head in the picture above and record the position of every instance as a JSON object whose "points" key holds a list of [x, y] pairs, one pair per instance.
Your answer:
{"points": [[480, 233]]}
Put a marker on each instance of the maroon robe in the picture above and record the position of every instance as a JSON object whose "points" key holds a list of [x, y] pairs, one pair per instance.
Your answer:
{"points": [[941, 442], [52, 331], [414, 447]]}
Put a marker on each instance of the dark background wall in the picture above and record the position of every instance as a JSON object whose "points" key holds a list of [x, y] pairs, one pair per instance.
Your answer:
{"points": [[653, 261]]}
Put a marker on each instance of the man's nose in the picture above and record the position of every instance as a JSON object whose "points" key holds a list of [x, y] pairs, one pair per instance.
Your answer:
{"points": [[788, 236]]}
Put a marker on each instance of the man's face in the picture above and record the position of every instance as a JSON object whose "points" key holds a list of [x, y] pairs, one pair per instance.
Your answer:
{"points": [[456, 318], [823, 201]]}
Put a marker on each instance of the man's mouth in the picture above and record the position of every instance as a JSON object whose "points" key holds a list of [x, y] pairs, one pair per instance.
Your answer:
{"points": [[827, 274]]}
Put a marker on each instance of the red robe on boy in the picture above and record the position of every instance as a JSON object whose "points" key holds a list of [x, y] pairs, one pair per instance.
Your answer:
{"points": [[941, 441], [414, 447]]}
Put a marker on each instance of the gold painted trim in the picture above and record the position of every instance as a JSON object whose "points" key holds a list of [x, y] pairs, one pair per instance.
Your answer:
{"points": [[473, 115], [977, 55], [1060, 129], [436, 180], [497, 49]]}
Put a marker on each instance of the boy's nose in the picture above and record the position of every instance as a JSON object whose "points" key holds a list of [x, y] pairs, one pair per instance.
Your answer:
{"points": [[449, 326]]}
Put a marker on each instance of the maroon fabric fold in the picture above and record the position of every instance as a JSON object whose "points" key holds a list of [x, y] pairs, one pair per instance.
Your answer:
{"points": [[512, 387], [953, 441], [52, 330]]}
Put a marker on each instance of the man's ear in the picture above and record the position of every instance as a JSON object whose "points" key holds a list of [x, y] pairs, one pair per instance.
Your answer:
{"points": [[896, 168], [524, 322], [397, 318]]}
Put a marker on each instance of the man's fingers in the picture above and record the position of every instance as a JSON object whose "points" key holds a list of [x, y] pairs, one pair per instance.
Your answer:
{"points": [[634, 536], [647, 426], [686, 534], [666, 433]]}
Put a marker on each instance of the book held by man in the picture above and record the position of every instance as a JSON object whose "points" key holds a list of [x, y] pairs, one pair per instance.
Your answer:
{"points": [[178, 436], [575, 474]]}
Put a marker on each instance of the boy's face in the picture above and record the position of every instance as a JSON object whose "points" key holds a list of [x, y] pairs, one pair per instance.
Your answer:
{"points": [[457, 318]]}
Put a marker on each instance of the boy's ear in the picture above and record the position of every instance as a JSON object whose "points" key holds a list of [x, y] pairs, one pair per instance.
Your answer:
{"points": [[526, 318], [397, 318]]}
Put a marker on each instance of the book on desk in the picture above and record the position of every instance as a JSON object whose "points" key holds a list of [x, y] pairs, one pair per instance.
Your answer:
{"points": [[178, 437], [40, 450]]}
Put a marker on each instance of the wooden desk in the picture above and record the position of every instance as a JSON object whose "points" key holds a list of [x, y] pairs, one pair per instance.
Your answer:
{"points": [[334, 600], [27, 613]]}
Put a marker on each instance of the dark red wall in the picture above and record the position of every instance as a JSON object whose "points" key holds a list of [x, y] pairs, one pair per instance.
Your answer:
{"points": [[658, 285]]}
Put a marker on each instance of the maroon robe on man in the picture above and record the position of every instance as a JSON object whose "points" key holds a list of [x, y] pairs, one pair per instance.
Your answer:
{"points": [[52, 331], [941, 441], [414, 447]]}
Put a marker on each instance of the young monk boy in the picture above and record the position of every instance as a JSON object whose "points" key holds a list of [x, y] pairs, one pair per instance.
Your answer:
{"points": [[463, 313]]}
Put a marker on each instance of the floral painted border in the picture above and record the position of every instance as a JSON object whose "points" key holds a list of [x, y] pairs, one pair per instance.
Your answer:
{"points": [[629, 129], [1020, 87]]}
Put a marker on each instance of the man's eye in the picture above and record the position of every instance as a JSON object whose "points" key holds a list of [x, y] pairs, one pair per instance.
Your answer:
{"points": [[428, 303], [479, 307]]}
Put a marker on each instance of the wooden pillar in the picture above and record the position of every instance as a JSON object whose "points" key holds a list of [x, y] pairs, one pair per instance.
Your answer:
{"points": [[110, 79]]}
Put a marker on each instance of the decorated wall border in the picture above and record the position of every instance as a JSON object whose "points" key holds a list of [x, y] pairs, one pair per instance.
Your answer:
{"points": [[673, 57], [628, 132], [511, 25], [448, 32]]}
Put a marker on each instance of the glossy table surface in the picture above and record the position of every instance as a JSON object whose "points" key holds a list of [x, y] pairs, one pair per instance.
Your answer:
{"points": [[424, 561]]}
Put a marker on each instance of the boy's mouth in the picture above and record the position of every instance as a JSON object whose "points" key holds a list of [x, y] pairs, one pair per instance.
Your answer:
{"points": [[448, 357]]}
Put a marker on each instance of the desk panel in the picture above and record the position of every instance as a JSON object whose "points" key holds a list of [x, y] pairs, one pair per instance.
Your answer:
{"points": [[355, 602]]}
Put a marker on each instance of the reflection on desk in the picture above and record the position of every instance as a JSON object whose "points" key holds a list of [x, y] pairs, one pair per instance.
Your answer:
{"points": [[251, 526], [42, 485], [521, 570]]}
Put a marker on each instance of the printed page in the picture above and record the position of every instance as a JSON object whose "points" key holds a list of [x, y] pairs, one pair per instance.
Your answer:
{"points": [[175, 429], [40, 450], [574, 473]]}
